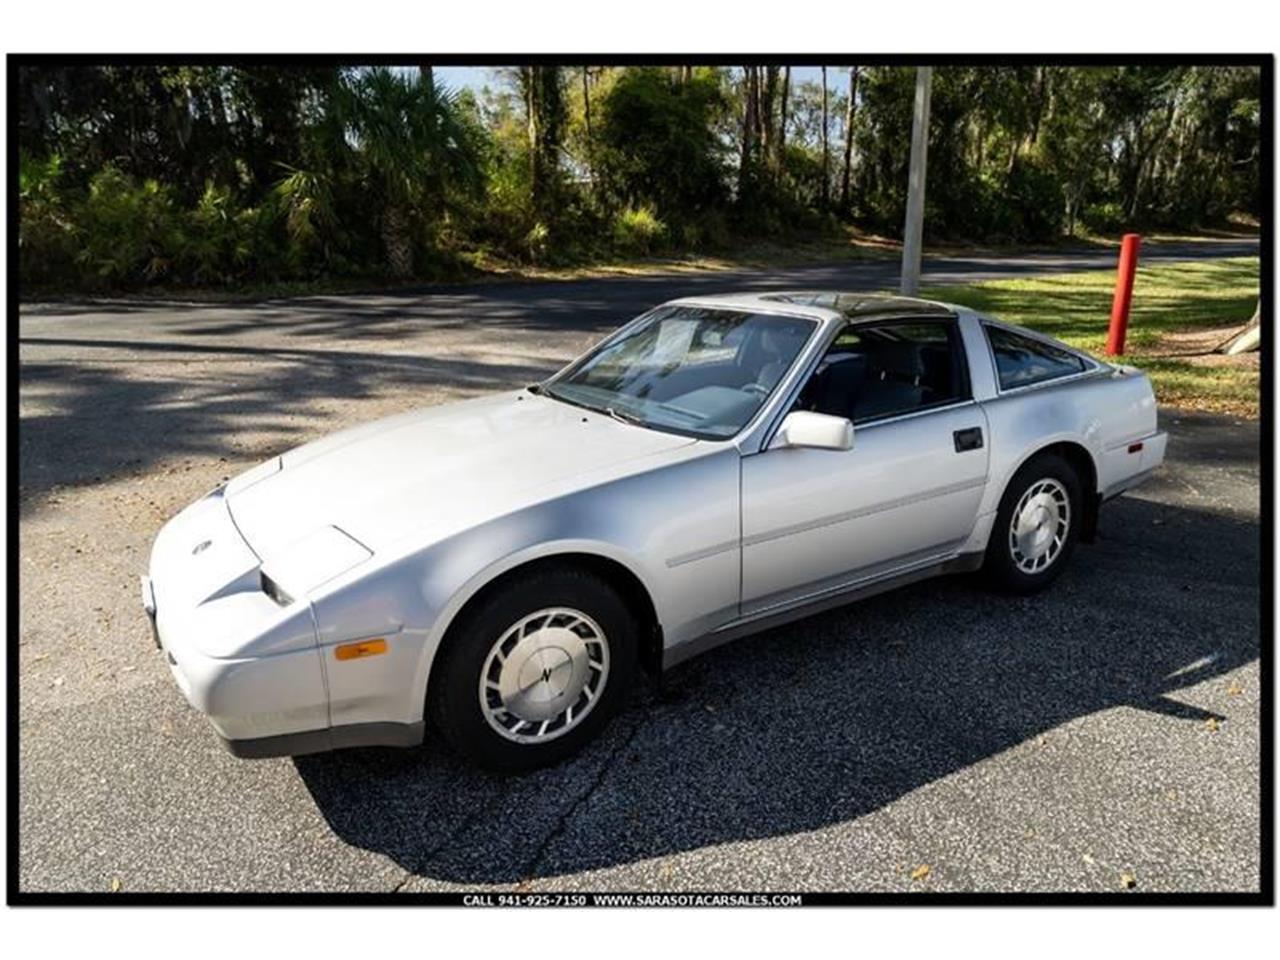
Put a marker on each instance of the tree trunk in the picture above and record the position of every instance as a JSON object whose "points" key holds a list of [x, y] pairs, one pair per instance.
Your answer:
{"points": [[826, 151], [782, 120], [530, 81], [586, 117], [1249, 339], [748, 126], [397, 241], [848, 140], [427, 77], [767, 147], [755, 109], [1146, 157], [1037, 112]]}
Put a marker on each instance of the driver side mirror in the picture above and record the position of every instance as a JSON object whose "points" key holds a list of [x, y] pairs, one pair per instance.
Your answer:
{"points": [[818, 431]]}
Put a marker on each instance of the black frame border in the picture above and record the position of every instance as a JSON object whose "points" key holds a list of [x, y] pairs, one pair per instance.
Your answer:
{"points": [[1264, 896]]}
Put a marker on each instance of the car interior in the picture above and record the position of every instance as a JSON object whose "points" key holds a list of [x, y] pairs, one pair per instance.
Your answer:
{"points": [[727, 389], [873, 372]]}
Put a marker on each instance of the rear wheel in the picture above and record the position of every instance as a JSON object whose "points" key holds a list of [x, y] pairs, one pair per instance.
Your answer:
{"points": [[534, 670], [1036, 526]]}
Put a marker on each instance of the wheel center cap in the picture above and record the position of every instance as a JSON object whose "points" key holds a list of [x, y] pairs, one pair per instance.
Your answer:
{"points": [[545, 674]]}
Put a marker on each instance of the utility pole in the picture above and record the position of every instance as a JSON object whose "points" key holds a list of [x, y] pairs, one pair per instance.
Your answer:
{"points": [[913, 229]]}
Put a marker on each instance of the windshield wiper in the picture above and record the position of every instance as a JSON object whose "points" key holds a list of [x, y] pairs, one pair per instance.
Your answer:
{"points": [[623, 417]]}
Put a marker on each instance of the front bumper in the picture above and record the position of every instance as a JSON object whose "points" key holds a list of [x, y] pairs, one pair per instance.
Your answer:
{"points": [[331, 738], [249, 664]]}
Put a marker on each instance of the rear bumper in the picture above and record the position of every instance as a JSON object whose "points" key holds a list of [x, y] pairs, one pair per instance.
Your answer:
{"points": [[1132, 463]]}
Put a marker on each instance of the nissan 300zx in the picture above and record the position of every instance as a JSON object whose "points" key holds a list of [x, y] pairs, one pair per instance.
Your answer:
{"points": [[498, 569]]}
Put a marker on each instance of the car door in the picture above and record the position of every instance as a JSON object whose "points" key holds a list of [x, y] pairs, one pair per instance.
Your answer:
{"points": [[905, 495]]}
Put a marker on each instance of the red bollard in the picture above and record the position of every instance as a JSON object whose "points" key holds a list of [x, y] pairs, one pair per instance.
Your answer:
{"points": [[1124, 294]]}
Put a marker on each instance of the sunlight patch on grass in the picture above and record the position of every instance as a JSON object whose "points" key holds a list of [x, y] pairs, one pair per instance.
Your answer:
{"points": [[1168, 298]]}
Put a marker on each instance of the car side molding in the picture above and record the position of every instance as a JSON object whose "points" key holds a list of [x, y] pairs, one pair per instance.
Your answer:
{"points": [[808, 606]]}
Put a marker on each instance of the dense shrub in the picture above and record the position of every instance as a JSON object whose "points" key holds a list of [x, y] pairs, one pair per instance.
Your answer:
{"points": [[128, 231], [637, 230], [46, 238], [1106, 217], [658, 146]]}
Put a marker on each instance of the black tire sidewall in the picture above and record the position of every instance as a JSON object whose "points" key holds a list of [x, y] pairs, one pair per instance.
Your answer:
{"points": [[1000, 565], [453, 703]]}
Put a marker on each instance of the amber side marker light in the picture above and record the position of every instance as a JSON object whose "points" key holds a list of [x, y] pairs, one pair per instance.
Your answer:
{"points": [[361, 648]]}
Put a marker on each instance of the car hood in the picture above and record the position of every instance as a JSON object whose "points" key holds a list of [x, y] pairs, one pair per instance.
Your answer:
{"points": [[434, 471]]}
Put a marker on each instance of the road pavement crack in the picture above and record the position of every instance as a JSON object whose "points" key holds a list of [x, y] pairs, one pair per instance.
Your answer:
{"points": [[420, 863], [562, 822]]}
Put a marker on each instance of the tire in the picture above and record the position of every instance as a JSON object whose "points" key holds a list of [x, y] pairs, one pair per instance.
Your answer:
{"points": [[512, 689], [1042, 490]]}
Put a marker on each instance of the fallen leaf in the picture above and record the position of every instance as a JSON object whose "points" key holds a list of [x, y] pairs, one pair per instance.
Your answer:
{"points": [[1234, 690], [116, 884], [1212, 724], [920, 872], [1128, 881], [58, 681], [1087, 858]]}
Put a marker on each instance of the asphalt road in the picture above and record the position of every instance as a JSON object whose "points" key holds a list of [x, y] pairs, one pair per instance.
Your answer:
{"points": [[1107, 727]]}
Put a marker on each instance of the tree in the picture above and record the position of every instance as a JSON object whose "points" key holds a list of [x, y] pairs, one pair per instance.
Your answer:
{"points": [[408, 147], [782, 120], [658, 144], [848, 139], [221, 173], [586, 112], [750, 129], [826, 152], [546, 116]]}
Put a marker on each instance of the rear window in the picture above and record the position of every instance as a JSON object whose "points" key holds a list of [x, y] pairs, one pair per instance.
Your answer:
{"points": [[1021, 361]]}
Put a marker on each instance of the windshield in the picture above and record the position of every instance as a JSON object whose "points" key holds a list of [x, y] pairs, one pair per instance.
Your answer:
{"points": [[692, 370]]}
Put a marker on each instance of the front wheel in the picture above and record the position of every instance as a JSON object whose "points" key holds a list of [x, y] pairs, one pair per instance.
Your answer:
{"points": [[535, 670], [1036, 526]]}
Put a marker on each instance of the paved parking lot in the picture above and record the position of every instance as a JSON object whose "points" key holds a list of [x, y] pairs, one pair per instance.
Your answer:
{"points": [[1108, 727]]}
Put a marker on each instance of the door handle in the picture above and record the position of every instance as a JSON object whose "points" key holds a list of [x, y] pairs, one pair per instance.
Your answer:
{"points": [[968, 439]]}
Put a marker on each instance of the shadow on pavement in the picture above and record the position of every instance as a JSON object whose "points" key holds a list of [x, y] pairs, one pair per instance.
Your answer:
{"points": [[829, 719], [101, 422]]}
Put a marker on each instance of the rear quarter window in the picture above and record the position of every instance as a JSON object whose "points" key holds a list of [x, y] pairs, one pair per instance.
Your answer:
{"points": [[1021, 361]]}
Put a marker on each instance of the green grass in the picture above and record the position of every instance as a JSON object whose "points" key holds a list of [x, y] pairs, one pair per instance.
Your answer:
{"points": [[1206, 296]]}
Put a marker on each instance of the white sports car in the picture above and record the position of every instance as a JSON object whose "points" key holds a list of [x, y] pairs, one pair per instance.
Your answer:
{"points": [[501, 566]]}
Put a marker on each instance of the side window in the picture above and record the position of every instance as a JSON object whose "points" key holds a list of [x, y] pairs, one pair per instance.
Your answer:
{"points": [[1021, 361], [870, 372]]}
